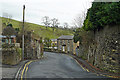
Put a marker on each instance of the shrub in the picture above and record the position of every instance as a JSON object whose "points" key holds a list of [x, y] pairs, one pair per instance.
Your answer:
{"points": [[102, 14]]}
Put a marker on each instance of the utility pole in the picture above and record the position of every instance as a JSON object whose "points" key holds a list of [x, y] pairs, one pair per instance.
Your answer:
{"points": [[23, 32]]}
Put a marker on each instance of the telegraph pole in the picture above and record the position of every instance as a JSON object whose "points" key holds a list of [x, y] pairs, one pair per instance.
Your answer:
{"points": [[23, 32]]}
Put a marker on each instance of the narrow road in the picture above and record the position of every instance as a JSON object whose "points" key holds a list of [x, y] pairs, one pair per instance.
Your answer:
{"points": [[56, 66]]}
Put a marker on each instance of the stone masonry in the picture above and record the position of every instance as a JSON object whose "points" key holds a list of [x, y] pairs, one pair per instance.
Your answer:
{"points": [[65, 44], [104, 49]]}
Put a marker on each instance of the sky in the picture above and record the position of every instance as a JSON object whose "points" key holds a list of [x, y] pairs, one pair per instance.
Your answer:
{"points": [[63, 10]]}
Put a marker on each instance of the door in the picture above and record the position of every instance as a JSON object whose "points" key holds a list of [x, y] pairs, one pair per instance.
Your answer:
{"points": [[63, 48]]}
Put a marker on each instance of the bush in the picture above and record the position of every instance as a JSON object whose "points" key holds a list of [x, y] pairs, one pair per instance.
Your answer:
{"points": [[47, 49], [83, 57], [8, 45], [19, 50], [102, 14]]}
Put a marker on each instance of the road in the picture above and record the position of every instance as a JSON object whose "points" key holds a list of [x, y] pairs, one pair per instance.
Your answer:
{"points": [[55, 65]]}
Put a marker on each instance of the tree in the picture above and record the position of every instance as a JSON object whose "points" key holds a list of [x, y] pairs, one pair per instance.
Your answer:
{"points": [[66, 25], [102, 14], [54, 23], [8, 16], [79, 20], [9, 30], [46, 21], [77, 35]]}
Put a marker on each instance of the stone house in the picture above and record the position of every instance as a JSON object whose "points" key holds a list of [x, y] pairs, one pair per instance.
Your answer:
{"points": [[65, 43], [76, 48]]}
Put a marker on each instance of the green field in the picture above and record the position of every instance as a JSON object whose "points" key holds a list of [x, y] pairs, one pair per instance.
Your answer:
{"points": [[39, 31]]}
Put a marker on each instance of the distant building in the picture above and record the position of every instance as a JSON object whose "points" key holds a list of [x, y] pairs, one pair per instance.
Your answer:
{"points": [[54, 43], [8, 34], [9, 40], [65, 43]]}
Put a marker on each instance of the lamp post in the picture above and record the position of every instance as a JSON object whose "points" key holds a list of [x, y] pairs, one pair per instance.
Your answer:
{"points": [[23, 32]]}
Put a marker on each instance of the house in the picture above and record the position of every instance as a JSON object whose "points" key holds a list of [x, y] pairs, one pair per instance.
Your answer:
{"points": [[76, 48], [9, 34], [10, 53], [9, 40], [65, 43]]}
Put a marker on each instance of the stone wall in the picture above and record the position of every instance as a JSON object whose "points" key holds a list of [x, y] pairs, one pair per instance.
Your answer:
{"points": [[33, 47], [103, 49], [0, 40], [10, 56]]}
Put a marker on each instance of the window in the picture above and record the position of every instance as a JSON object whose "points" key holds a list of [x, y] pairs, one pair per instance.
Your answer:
{"points": [[60, 47], [60, 41], [68, 48]]}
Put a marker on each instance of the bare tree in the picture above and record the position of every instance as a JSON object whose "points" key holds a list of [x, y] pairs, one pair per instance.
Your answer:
{"points": [[8, 31], [8, 17], [5, 15], [46, 21], [79, 20], [54, 23], [65, 25]]}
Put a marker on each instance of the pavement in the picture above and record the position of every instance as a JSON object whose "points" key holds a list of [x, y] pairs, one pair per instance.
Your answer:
{"points": [[9, 71]]}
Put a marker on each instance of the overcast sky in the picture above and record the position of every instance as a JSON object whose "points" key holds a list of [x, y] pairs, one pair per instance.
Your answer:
{"points": [[63, 10]]}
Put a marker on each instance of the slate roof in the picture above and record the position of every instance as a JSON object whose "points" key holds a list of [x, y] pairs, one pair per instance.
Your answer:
{"points": [[1, 36], [53, 39], [66, 37]]}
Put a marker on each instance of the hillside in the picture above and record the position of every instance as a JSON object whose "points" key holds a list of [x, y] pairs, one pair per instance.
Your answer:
{"points": [[39, 31]]}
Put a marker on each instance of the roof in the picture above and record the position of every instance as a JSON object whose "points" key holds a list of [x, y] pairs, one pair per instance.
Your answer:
{"points": [[1, 36], [53, 39], [66, 37]]}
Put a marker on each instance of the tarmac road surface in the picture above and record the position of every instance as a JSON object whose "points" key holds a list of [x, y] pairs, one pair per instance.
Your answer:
{"points": [[56, 65]]}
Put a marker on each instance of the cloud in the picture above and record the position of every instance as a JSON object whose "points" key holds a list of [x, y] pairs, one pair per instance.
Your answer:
{"points": [[64, 10]]}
